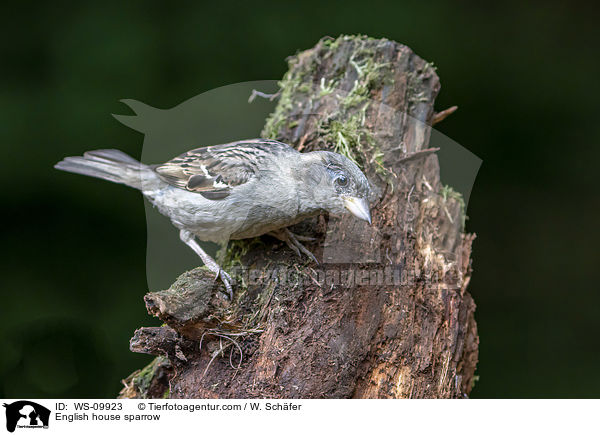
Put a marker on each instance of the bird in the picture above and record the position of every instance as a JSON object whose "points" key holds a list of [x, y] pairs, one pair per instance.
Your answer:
{"points": [[237, 190]]}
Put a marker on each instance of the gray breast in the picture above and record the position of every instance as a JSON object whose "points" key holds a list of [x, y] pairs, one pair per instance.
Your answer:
{"points": [[264, 204]]}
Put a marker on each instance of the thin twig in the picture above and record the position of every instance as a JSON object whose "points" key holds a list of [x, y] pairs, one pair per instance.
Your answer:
{"points": [[440, 116], [417, 154], [269, 97]]}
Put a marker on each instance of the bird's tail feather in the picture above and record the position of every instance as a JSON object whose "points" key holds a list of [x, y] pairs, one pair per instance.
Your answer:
{"points": [[111, 165]]}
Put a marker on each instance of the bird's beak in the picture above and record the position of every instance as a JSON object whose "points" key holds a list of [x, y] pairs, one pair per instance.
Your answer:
{"points": [[359, 207]]}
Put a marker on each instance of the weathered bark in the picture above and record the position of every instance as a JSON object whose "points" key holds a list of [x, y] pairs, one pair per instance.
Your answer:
{"points": [[404, 325]]}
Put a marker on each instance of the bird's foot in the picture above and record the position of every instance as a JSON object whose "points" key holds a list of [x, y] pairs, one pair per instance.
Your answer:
{"points": [[225, 277], [293, 241], [302, 238]]}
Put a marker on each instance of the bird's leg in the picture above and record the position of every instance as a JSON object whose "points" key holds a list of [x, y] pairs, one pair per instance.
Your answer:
{"points": [[293, 242], [188, 238]]}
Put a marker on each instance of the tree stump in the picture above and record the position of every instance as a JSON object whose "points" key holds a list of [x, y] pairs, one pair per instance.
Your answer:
{"points": [[386, 314]]}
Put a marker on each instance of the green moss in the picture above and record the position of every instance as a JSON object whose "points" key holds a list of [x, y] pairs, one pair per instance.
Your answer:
{"points": [[304, 87], [380, 168], [447, 193], [326, 88], [333, 44], [295, 81], [330, 43], [143, 379], [430, 66], [371, 75], [346, 129], [344, 136], [299, 80], [235, 250]]}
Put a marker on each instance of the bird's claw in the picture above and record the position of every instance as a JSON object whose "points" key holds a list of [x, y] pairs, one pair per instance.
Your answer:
{"points": [[303, 238], [293, 241], [298, 247], [225, 279]]}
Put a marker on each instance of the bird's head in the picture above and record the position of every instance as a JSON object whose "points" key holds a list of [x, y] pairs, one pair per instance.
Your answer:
{"points": [[338, 185]]}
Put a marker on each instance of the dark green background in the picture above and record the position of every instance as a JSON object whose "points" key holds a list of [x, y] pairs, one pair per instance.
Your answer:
{"points": [[525, 76]]}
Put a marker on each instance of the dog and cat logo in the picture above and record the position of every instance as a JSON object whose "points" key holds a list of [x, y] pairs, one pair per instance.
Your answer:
{"points": [[26, 414]]}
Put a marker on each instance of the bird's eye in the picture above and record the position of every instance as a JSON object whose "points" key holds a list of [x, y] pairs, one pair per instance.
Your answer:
{"points": [[341, 180]]}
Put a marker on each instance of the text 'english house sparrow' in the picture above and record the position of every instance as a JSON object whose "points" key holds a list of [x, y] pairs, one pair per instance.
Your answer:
{"points": [[237, 190]]}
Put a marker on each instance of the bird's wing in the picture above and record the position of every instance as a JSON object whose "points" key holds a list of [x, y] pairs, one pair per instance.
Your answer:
{"points": [[215, 170]]}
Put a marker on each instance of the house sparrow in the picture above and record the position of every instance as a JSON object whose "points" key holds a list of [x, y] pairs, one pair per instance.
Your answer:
{"points": [[237, 190]]}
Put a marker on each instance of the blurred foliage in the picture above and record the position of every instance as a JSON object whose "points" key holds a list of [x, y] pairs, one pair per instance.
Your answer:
{"points": [[524, 75]]}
